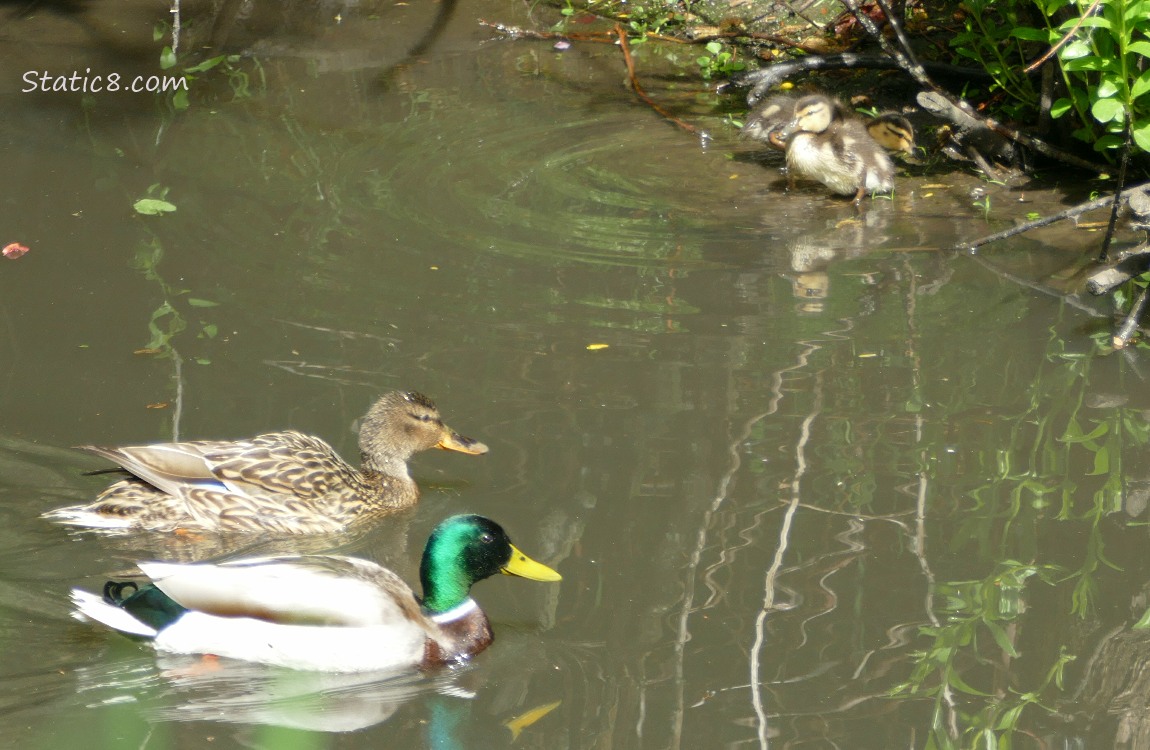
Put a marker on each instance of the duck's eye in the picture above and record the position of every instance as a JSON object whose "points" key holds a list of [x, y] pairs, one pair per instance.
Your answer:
{"points": [[486, 538]]}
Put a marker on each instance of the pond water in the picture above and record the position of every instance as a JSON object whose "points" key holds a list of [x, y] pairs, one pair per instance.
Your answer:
{"points": [[811, 478]]}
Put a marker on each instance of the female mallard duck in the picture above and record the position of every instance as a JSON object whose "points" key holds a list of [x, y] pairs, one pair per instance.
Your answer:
{"points": [[321, 612], [765, 124], [280, 481], [837, 151]]}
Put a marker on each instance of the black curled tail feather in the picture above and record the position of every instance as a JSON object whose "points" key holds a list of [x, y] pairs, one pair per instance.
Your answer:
{"points": [[114, 591]]}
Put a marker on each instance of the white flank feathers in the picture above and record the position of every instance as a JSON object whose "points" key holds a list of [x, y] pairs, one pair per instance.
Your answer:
{"points": [[342, 649], [283, 589]]}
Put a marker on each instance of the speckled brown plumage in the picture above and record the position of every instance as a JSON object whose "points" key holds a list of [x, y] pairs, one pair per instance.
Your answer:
{"points": [[284, 482]]}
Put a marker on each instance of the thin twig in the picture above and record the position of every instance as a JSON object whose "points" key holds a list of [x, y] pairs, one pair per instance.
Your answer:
{"points": [[518, 32], [623, 45], [603, 37], [908, 63], [1069, 35], [770, 582], [896, 24], [178, 376], [1105, 252], [764, 78], [175, 11], [1126, 331], [1071, 300], [755, 35], [1069, 213], [792, 9]]}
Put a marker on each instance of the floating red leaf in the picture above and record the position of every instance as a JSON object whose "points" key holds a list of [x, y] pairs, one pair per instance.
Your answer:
{"points": [[13, 250]]}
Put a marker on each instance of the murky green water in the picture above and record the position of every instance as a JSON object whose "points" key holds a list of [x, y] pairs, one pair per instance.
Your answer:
{"points": [[811, 479]]}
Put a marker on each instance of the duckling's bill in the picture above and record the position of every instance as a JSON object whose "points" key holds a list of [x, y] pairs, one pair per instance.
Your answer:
{"points": [[523, 566], [453, 441]]}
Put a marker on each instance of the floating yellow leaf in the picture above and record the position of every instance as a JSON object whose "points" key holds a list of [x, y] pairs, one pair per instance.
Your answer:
{"points": [[596, 347]]}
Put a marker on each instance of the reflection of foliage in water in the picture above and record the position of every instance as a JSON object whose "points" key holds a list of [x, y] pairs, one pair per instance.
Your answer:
{"points": [[1017, 469], [1061, 465]]}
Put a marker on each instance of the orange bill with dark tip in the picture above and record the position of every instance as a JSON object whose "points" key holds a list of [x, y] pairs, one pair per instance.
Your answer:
{"points": [[453, 441]]}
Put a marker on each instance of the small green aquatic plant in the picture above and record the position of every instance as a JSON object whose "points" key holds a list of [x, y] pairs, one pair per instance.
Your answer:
{"points": [[155, 203], [719, 61]]}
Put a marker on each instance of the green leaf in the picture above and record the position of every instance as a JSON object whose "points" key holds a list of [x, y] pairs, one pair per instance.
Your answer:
{"points": [[1060, 107], [1001, 638], [1141, 47], [208, 64], [1009, 719], [1074, 50], [1101, 463], [152, 207], [180, 100], [1096, 22], [714, 47], [1108, 88], [1090, 63], [1142, 135], [1143, 622], [960, 685], [197, 302], [167, 58], [1136, 11], [1140, 86], [1030, 35], [1108, 142], [1107, 110]]}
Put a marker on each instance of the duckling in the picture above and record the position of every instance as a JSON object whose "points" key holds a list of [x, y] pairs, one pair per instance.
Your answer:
{"points": [[893, 132], [321, 612], [837, 151], [766, 122], [284, 482], [890, 130]]}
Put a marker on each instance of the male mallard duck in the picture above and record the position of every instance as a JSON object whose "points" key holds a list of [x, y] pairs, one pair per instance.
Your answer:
{"points": [[321, 612], [890, 130], [837, 151], [279, 481]]}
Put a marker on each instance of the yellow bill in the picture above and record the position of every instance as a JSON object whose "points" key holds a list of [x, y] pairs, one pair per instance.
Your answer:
{"points": [[523, 566]]}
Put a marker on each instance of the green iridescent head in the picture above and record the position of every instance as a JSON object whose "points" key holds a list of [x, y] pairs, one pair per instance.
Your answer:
{"points": [[465, 549]]}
